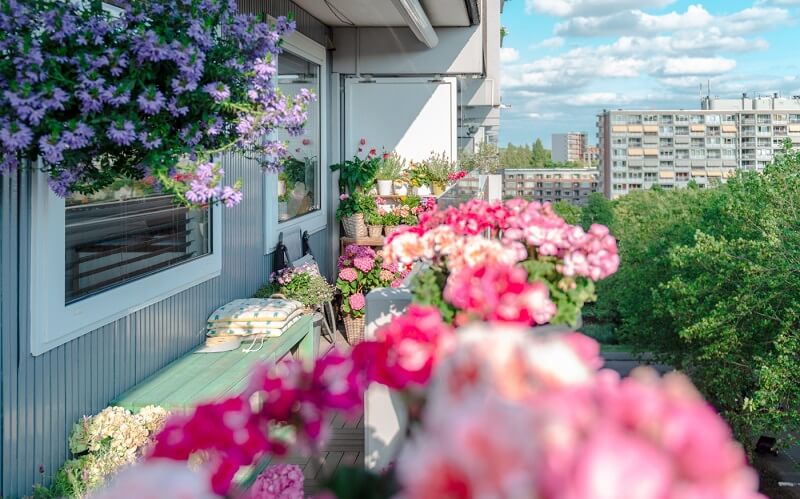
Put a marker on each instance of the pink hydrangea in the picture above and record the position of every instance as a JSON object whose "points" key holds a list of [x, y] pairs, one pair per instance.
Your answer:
{"points": [[280, 481], [364, 263], [386, 276], [357, 301], [348, 274], [499, 293]]}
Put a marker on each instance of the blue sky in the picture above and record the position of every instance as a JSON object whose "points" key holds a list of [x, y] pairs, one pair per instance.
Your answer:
{"points": [[566, 60]]}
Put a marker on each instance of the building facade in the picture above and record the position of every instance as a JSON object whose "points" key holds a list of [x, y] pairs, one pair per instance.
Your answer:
{"points": [[568, 147], [69, 346], [669, 148], [551, 184]]}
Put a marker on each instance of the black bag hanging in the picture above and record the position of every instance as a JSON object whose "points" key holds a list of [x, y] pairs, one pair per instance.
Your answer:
{"points": [[280, 259]]}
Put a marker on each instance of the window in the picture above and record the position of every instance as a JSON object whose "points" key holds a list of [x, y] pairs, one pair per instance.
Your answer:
{"points": [[764, 119], [712, 141], [698, 142], [635, 142], [764, 129], [665, 119], [682, 154], [620, 152], [96, 259], [714, 154], [681, 130], [666, 130], [728, 153], [681, 118], [697, 154], [713, 119], [298, 184], [298, 197], [119, 235], [665, 142], [619, 141], [634, 119], [697, 119], [619, 118], [650, 118]]}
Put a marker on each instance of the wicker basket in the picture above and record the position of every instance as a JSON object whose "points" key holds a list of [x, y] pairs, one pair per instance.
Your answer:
{"points": [[375, 230], [354, 226], [389, 229], [354, 329]]}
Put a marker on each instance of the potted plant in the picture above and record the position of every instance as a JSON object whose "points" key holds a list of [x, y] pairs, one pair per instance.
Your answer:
{"points": [[391, 219], [352, 210], [390, 169], [361, 270], [374, 225], [304, 284], [439, 170], [419, 178]]}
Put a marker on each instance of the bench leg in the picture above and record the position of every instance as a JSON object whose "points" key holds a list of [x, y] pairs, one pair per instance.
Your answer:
{"points": [[308, 349]]}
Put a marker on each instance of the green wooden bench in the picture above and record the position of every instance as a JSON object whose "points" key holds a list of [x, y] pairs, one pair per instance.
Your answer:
{"points": [[202, 377]]}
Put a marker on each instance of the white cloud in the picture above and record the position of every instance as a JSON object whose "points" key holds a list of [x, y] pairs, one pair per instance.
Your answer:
{"points": [[571, 8], [778, 2], [696, 17], [508, 55], [690, 66], [549, 43]]}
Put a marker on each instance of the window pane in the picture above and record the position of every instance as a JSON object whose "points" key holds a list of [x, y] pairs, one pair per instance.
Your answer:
{"points": [[119, 235], [298, 185]]}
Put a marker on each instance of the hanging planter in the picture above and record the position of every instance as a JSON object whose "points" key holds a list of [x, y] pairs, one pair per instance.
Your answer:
{"points": [[154, 93]]}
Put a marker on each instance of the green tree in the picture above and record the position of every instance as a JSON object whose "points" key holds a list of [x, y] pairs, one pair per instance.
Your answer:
{"points": [[709, 283], [598, 210], [539, 155], [568, 211]]}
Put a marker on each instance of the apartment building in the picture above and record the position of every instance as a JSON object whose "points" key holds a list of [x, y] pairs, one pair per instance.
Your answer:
{"points": [[568, 147], [551, 184], [669, 148], [591, 156]]}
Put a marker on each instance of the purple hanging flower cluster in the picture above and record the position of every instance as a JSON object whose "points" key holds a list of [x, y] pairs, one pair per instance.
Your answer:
{"points": [[98, 97]]}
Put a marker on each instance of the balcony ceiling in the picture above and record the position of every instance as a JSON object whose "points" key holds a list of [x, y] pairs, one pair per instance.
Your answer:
{"points": [[383, 12]]}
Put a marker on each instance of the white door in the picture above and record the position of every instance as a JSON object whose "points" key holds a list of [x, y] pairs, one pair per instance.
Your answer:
{"points": [[413, 116]]}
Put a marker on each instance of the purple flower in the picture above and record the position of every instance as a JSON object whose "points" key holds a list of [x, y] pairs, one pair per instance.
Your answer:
{"points": [[56, 100], [52, 149], [148, 141], [174, 110], [151, 101], [230, 196], [219, 91], [16, 136], [90, 101], [62, 184], [9, 163], [78, 137], [122, 136]]}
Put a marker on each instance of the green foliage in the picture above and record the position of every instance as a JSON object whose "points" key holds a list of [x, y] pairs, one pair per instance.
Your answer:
{"points": [[525, 156], [358, 173], [598, 210], [349, 483], [391, 167], [709, 283], [486, 160], [305, 285], [438, 167], [355, 203], [426, 289], [568, 211]]}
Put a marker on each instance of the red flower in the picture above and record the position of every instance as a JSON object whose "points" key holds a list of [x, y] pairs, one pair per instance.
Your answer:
{"points": [[362, 141], [373, 152], [386, 155]]}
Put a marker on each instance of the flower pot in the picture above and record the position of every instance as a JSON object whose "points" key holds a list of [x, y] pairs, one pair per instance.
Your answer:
{"points": [[388, 229], [438, 188], [423, 190], [385, 187], [401, 190], [354, 329], [354, 226], [375, 230], [281, 187]]}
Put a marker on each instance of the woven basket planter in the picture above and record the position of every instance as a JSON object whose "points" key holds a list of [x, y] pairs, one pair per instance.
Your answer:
{"points": [[375, 230], [389, 229], [354, 226], [354, 329]]}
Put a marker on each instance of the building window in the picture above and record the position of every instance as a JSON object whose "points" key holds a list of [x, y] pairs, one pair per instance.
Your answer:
{"points": [[697, 154], [298, 184], [698, 119], [125, 233], [681, 130], [681, 154], [713, 119]]}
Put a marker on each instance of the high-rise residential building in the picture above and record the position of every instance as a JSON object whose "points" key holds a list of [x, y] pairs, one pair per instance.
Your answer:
{"points": [[568, 147], [551, 184], [591, 156], [669, 148]]}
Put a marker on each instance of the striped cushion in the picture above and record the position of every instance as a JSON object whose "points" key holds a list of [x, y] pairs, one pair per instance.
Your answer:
{"points": [[255, 310]]}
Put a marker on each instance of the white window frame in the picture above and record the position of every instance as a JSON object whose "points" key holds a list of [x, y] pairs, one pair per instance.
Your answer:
{"points": [[316, 221], [52, 321]]}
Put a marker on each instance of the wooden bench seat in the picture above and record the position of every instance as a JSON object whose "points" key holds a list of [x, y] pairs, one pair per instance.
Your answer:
{"points": [[202, 377]]}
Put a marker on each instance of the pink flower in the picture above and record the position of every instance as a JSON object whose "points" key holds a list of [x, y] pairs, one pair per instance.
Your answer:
{"points": [[362, 141], [386, 275], [364, 263], [348, 274], [499, 293], [306, 142], [406, 350], [279, 481], [397, 283], [343, 197], [357, 301]]}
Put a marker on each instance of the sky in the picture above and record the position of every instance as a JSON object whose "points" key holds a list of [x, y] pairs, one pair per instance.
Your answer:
{"points": [[564, 61]]}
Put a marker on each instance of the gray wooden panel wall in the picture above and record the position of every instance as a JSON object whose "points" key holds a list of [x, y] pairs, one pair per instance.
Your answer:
{"points": [[43, 396]]}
